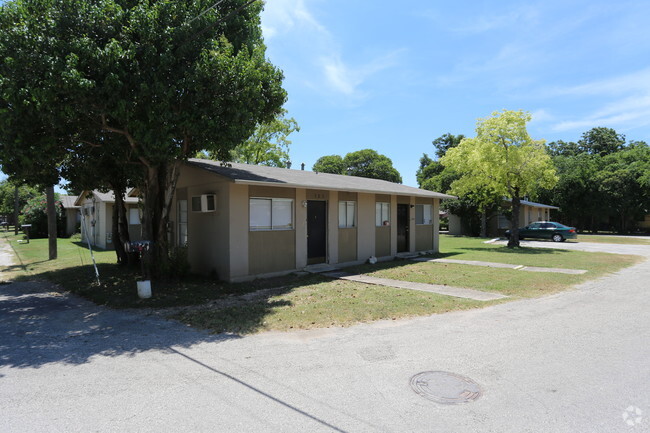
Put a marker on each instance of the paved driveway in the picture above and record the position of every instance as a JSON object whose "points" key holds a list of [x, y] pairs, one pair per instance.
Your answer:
{"points": [[571, 362]]}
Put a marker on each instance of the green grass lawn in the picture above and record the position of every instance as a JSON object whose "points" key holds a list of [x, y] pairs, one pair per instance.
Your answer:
{"points": [[301, 302], [613, 239], [505, 281]]}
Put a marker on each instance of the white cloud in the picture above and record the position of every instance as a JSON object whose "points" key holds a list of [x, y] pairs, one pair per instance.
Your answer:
{"points": [[484, 23], [290, 26], [347, 80], [629, 104], [282, 16]]}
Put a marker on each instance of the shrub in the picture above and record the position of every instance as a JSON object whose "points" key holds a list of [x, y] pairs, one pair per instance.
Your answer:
{"points": [[35, 213]]}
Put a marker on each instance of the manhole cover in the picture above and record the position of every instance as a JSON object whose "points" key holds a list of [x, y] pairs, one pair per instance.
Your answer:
{"points": [[446, 388]]}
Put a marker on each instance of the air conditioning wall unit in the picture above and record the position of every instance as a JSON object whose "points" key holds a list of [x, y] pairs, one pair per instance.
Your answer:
{"points": [[204, 203]]}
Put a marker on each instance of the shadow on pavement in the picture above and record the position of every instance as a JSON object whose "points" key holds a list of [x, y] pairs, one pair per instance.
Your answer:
{"points": [[39, 326]]}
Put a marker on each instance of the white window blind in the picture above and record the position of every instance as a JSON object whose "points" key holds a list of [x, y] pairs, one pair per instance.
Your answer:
{"points": [[347, 214], [271, 214], [423, 214], [134, 216], [382, 214]]}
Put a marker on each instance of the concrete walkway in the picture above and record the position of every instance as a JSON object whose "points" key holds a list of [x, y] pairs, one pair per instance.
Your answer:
{"points": [[505, 266], [457, 292]]}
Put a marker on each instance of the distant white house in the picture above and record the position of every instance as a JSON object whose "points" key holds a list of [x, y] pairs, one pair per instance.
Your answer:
{"points": [[498, 223], [71, 213], [96, 217]]}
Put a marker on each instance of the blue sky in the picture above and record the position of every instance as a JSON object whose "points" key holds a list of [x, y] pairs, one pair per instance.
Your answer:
{"points": [[395, 76]]}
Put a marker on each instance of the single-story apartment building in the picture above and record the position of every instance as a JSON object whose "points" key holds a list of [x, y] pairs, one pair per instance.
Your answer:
{"points": [[497, 224], [242, 221], [96, 210], [71, 214]]}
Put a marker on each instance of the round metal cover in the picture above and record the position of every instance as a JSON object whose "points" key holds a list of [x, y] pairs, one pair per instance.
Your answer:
{"points": [[446, 388]]}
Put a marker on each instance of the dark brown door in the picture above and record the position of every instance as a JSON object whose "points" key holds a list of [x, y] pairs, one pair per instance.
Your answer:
{"points": [[402, 228], [316, 231]]}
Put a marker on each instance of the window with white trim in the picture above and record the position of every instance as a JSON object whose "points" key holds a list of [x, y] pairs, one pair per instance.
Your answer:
{"points": [[182, 223], [423, 214], [347, 214], [382, 214], [271, 214]]}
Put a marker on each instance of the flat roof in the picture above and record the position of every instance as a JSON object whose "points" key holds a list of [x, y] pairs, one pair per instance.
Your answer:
{"points": [[249, 174]]}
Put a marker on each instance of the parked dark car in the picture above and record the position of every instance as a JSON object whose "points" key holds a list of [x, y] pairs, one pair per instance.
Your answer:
{"points": [[546, 230]]}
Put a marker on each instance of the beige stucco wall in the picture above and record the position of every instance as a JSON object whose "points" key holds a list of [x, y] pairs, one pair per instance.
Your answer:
{"points": [[238, 257], [222, 242], [455, 227], [366, 226], [271, 251], [71, 220], [423, 233], [208, 233], [347, 244], [436, 225], [301, 228]]}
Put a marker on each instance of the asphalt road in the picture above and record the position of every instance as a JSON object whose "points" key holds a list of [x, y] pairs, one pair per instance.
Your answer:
{"points": [[571, 362]]}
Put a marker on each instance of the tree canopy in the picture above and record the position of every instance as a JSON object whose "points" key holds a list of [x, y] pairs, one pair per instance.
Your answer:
{"points": [[501, 160], [268, 145], [162, 79], [330, 164], [362, 163], [603, 181]]}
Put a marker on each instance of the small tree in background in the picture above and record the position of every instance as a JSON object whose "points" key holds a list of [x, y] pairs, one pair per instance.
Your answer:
{"points": [[35, 213], [330, 164], [269, 144], [362, 163]]}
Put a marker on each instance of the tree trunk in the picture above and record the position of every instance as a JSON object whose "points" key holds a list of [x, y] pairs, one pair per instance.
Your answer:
{"points": [[16, 210], [51, 222], [484, 224], [119, 237], [514, 224], [157, 194]]}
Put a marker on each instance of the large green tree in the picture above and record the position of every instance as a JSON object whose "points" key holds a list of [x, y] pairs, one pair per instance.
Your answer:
{"points": [[269, 143], [169, 78], [330, 164], [502, 160], [362, 163], [601, 141], [602, 180], [446, 142]]}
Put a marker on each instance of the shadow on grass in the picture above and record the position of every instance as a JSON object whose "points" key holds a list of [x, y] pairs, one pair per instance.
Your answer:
{"points": [[220, 306]]}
